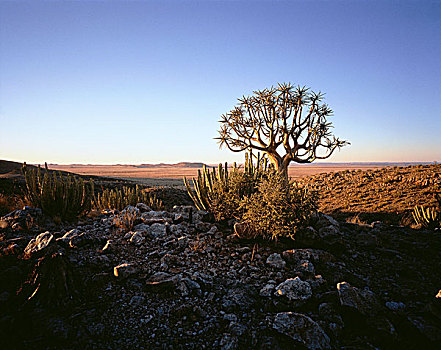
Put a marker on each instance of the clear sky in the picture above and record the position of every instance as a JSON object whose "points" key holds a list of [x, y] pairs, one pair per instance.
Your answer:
{"points": [[146, 81]]}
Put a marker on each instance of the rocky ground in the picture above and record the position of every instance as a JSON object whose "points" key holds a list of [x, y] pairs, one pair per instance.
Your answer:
{"points": [[144, 279], [387, 194]]}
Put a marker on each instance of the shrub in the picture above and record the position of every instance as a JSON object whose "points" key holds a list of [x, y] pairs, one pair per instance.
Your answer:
{"points": [[60, 197], [278, 208], [227, 199], [121, 198]]}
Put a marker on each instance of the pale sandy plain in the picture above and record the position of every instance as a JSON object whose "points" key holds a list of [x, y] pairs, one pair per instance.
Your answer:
{"points": [[172, 175]]}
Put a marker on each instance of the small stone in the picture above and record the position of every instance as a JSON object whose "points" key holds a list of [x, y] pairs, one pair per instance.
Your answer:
{"points": [[137, 300], [137, 238], [276, 261], [158, 230], [267, 290], [395, 306], [68, 236], [107, 247], [80, 240], [143, 207], [329, 231], [124, 270], [306, 267], [228, 342]]}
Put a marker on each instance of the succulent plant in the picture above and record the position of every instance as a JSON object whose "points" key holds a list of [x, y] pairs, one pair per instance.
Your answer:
{"points": [[426, 217], [64, 197]]}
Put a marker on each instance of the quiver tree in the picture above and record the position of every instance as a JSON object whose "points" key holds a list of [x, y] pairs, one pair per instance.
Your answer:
{"points": [[287, 123]]}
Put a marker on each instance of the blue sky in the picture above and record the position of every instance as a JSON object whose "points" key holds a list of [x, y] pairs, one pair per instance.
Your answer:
{"points": [[147, 81]]}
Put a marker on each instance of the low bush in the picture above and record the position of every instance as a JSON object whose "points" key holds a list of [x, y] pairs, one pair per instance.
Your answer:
{"points": [[227, 199], [278, 208]]}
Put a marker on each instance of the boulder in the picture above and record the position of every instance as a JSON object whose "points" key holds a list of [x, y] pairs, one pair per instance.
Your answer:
{"points": [[158, 230], [38, 244], [360, 300], [276, 261], [294, 289]]}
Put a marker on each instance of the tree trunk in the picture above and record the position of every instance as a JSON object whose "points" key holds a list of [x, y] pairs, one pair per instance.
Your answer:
{"points": [[280, 164]]}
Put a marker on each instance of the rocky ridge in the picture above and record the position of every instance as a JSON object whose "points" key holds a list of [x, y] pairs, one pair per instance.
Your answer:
{"points": [[176, 280]]}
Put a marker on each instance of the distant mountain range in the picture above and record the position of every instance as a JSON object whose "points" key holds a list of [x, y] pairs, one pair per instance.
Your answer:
{"points": [[180, 165], [15, 167], [159, 165]]}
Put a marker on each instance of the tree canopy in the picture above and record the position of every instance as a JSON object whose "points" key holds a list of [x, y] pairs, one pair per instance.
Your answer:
{"points": [[287, 123]]}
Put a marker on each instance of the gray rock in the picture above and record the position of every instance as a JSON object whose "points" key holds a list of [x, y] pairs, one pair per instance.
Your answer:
{"points": [[302, 329], [276, 261], [80, 240], [143, 207], [137, 300], [22, 217], [162, 281], [141, 228], [308, 235], [329, 231], [326, 220], [158, 230], [187, 286], [313, 255], [306, 268], [294, 289], [68, 236], [124, 270], [137, 238], [236, 299], [159, 276], [38, 244], [361, 300], [395, 306], [107, 247], [333, 320], [229, 342], [267, 290]]}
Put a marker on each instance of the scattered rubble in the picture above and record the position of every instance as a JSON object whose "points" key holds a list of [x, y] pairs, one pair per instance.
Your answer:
{"points": [[176, 280]]}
